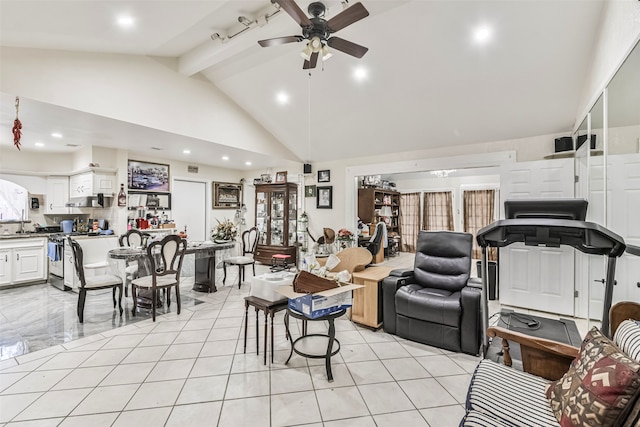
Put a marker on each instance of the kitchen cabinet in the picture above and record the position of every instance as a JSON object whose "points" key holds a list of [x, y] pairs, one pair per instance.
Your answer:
{"points": [[22, 260], [276, 216], [372, 200], [57, 195], [6, 261], [90, 184]]}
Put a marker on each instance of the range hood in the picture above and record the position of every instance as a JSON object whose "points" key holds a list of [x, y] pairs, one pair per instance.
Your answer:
{"points": [[97, 201]]}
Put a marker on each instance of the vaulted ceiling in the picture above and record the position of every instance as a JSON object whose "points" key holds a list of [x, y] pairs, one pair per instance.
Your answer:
{"points": [[427, 81]]}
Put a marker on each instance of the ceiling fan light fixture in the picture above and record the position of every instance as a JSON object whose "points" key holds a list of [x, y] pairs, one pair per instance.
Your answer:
{"points": [[326, 53], [316, 44], [306, 52]]}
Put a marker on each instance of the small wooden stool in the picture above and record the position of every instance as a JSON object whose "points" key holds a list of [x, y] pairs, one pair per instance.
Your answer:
{"points": [[269, 308], [280, 262]]}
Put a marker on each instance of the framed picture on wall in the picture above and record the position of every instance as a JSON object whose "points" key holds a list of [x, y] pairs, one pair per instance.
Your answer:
{"points": [[324, 176], [281, 177], [147, 176], [309, 191], [227, 195], [324, 199]]}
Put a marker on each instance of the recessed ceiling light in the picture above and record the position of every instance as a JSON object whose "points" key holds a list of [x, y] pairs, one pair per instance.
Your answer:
{"points": [[360, 74], [482, 34], [247, 163], [225, 158], [56, 135], [39, 144], [186, 151], [126, 21], [282, 98]]}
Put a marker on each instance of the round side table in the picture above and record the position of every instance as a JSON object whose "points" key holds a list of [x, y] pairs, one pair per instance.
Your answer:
{"points": [[333, 345]]}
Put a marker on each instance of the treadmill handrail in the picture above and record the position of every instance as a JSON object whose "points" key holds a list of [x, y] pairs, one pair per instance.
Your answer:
{"points": [[587, 237], [633, 250]]}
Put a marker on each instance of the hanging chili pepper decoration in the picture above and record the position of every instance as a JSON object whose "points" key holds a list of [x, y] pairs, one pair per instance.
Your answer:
{"points": [[17, 125]]}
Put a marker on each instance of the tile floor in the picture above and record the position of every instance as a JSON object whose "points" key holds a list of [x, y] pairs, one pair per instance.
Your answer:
{"points": [[190, 369]]}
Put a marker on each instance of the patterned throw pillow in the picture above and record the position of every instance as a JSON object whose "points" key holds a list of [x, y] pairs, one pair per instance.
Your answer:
{"points": [[597, 387]]}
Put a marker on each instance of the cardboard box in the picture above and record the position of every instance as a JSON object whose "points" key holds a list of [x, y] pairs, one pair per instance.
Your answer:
{"points": [[320, 303], [265, 285], [170, 225]]}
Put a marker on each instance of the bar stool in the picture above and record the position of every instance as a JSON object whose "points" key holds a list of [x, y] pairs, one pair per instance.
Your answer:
{"points": [[280, 262]]}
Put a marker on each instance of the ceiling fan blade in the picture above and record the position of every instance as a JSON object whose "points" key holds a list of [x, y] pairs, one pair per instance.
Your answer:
{"points": [[295, 12], [347, 17], [280, 40], [312, 63], [347, 47]]}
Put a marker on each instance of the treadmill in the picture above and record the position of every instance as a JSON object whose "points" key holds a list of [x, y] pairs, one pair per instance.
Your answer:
{"points": [[550, 223]]}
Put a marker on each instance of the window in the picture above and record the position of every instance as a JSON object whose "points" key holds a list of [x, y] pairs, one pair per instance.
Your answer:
{"points": [[437, 213], [479, 211], [13, 201]]}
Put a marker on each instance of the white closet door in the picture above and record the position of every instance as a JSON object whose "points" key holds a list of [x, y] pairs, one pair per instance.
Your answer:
{"points": [[188, 208], [537, 278]]}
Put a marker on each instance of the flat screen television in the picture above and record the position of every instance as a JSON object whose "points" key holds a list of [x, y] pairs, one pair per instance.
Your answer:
{"points": [[575, 209]]}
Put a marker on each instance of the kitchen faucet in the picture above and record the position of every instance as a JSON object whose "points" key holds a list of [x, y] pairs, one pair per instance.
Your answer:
{"points": [[22, 222]]}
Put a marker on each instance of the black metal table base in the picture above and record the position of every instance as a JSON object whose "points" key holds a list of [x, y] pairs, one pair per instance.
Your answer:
{"points": [[330, 335]]}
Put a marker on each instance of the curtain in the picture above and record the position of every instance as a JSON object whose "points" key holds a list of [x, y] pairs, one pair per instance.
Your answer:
{"points": [[437, 213], [409, 220], [479, 207]]}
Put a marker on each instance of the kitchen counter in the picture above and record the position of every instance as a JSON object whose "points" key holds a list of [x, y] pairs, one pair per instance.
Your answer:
{"points": [[31, 235], [23, 235]]}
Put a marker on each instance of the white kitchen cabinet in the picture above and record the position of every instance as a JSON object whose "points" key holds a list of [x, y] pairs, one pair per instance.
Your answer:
{"points": [[6, 262], [91, 183], [104, 183], [29, 264], [81, 185], [57, 195], [23, 260]]}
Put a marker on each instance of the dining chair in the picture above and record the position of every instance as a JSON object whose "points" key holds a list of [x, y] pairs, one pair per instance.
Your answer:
{"points": [[132, 239], [249, 244], [165, 258], [92, 283]]}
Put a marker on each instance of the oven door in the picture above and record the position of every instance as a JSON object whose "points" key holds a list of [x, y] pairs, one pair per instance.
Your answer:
{"points": [[56, 268]]}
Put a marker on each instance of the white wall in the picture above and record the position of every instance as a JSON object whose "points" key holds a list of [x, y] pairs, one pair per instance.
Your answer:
{"points": [[134, 89], [618, 32]]}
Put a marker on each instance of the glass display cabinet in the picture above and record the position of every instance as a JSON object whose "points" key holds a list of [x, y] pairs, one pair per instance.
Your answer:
{"points": [[276, 217]]}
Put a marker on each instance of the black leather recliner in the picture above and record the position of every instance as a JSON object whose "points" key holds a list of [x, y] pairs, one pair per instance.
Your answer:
{"points": [[436, 303]]}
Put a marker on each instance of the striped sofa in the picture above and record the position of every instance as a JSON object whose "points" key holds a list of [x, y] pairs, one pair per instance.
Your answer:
{"points": [[502, 396]]}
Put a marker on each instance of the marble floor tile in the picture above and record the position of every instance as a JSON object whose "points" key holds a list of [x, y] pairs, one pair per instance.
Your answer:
{"points": [[294, 408], [93, 420], [369, 372], [203, 389], [341, 402], [12, 404], [383, 398], [426, 393], [51, 404], [197, 414], [37, 381], [249, 384], [407, 418], [153, 395], [245, 412], [133, 373], [144, 417], [83, 377], [106, 399]]}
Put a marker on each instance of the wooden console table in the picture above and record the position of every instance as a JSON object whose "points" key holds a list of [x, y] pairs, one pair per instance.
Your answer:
{"points": [[367, 301]]}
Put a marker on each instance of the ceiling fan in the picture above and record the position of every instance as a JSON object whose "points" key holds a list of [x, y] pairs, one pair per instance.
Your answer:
{"points": [[318, 31]]}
